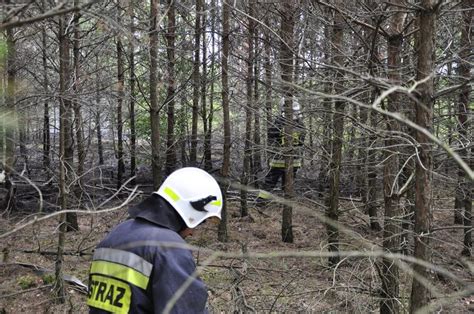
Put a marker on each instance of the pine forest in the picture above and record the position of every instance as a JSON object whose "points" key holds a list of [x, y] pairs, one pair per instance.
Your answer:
{"points": [[368, 209]]}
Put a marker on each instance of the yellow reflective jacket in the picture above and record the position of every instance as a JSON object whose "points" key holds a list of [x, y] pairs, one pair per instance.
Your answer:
{"points": [[278, 151]]}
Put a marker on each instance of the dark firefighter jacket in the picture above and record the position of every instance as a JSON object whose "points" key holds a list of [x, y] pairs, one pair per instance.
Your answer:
{"points": [[140, 266], [276, 142]]}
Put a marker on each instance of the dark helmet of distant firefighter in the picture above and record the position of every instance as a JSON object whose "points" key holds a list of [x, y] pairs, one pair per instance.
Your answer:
{"points": [[194, 194]]}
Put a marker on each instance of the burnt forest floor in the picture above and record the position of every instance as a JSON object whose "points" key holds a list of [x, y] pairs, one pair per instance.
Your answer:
{"points": [[256, 271]]}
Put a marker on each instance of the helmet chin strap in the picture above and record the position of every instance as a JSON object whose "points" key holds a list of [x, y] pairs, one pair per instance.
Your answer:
{"points": [[199, 204]]}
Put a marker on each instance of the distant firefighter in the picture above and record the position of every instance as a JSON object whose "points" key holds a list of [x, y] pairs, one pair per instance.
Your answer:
{"points": [[276, 144]]}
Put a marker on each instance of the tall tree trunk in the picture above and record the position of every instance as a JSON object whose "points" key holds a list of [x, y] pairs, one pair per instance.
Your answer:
{"points": [[268, 76], [464, 122], [467, 250], [268, 81], [210, 118], [66, 122], [288, 13], [81, 154], [132, 81], [46, 131], [420, 295], [2, 118], [406, 156], [257, 147], [459, 192], [332, 202], [171, 93], [10, 117], [222, 234], [461, 127], [353, 114], [371, 192], [361, 170], [120, 98], [245, 177], [21, 116], [326, 116], [392, 222], [196, 79], [100, 147], [154, 108], [182, 127], [65, 159], [372, 188], [203, 81]]}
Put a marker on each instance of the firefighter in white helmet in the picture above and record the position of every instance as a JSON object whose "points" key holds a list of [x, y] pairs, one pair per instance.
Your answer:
{"points": [[142, 262], [276, 144]]}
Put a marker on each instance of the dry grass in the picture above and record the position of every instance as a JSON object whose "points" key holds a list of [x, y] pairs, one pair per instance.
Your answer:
{"points": [[283, 284]]}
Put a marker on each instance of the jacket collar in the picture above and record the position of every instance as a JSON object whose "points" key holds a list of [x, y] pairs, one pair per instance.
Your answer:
{"points": [[158, 211]]}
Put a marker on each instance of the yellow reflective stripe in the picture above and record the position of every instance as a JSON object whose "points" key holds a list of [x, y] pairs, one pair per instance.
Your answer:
{"points": [[216, 203], [122, 272], [277, 164], [109, 294], [281, 164], [295, 135], [264, 194], [125, 258], [168, 191]]}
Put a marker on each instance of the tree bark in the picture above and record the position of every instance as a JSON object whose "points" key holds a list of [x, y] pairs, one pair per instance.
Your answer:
{"points": [[210, 118], [393, 214], [154, 108], [204, 81], [288, 12], [171, 92], [257, 147], [79, 124], [406, 158], [327, 104], [182, 129], [66, 123], [2, 118], [65, 134], [245, 177], [132, 81], [22, 118], [196, 80], [420, 295], [46, 130], [332, 202], [222, 234], [100, 148], [371, 203], [371, 156], [268, 83], [10, 117], [464, 110], [120, 98]]}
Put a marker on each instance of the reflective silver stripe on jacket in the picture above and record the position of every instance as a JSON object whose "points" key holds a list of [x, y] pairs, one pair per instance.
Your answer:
{"points": [[124, 258]]}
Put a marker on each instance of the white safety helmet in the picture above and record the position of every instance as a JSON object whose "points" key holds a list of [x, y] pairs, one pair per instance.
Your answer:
{"points": [[296, 107], [194, 194]]}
